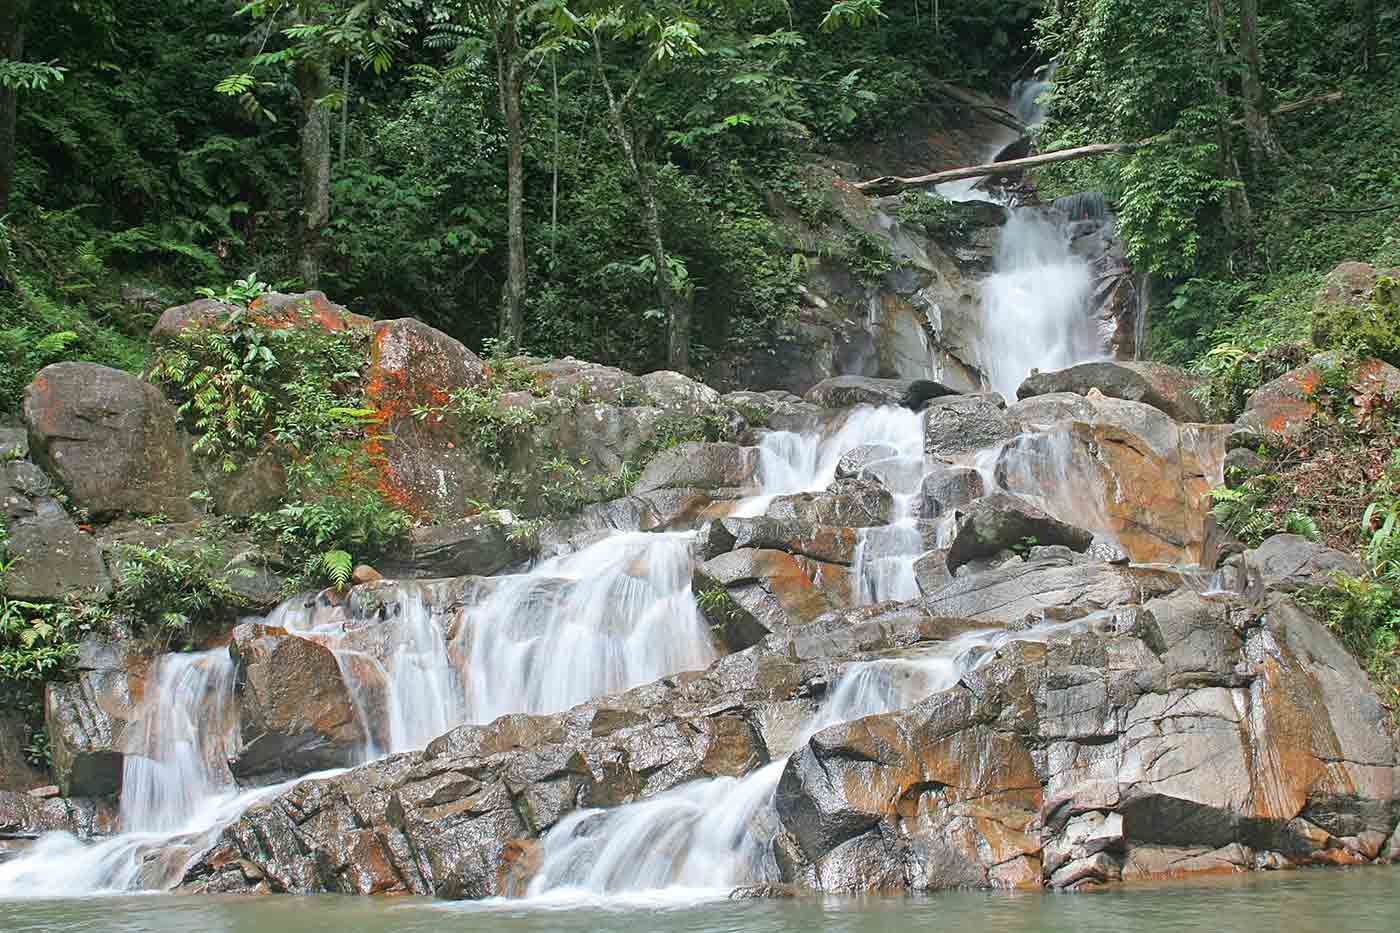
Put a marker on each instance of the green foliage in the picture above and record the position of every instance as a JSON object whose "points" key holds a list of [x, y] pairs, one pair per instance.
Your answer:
{"points": [[1363, 330], [168, 591], [335, 566], [1232, 373], [940, 219], [487, 426], [241, 382]]}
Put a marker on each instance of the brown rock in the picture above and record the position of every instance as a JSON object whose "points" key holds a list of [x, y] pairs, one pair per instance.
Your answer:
{"points": [[1163, 387], [110, 439]]}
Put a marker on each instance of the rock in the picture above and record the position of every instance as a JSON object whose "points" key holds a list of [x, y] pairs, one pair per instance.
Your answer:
{"points": [[364, 573], [1033, 588], [1285, 405], [14, 444], [110, 439], [1123, 469], [52, 558], [244, 565], [476, 546], [16, 773], [852, 503], [590, 382], [1163, 387], [1287, 563], [1000, 521], [295, 713], [462, 818], [772, 591], [92, 721], [258, 485], [963, 424], [830, 543], [1045, 411], [923, 391], [949, 487], [1349, 289], [203, 312], [708, 466], [854, 461], [931, 571], [28, 817], [681, 395], [422, 467], [279, 310], [1173, 744], [1217, 544], [1241, 463], [845, 391]]}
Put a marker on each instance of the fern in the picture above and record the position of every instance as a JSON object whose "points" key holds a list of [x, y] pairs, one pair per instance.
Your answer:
{"points": [[337, 566]]}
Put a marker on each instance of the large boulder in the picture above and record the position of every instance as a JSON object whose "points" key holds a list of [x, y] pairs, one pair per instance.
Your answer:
{"points": [[698, 465], [963, 424], [1052, 586], [998, 522], [477, 546], [751, 593], [26, 816], [1288, 563], [296, 713], [272, 309], [52, 558], [1123, 469], [845, 391], [94, 719], [423, 467], [1285, 405], [947, 487], [679, 394], [1157, 384], [110, 439], [17, 773], [1189, 736], [852, 503]]}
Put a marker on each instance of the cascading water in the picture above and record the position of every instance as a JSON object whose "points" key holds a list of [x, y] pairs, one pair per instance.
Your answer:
{"points": [[707, 837], [1036, 304], [177, 792], [614, 615]]}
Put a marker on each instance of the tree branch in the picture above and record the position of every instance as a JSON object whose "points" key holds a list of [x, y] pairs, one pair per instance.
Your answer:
{"points": [[892, 185]]}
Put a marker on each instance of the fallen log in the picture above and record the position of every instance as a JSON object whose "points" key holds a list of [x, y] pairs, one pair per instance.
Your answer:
{"points": [[890, 184]]}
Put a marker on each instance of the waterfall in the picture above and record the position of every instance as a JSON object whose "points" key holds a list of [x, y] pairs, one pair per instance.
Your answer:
{"points": [[614, 615], [1036, 303], [704, 838], [177, 792]]}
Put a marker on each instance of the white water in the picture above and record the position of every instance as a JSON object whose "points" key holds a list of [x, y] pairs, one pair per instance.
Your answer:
{"points": [[707, 837], [177, 792], [615, 615], [1036, 304]]}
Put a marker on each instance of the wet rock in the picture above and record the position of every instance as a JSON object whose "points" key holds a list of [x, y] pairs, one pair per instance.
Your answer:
{"points": [[931, 571], [750, 892], [92, 720], [997, 522], [845, 391], [110, 439], [923, 391], [52, 558], [830, 543], [16, 772], [1217, 544], [476, 546], [1286, 563], [295, 712], [855, 461], [950, 487], [460, 819], [962, 424], [771, 591], [699, 466], [852, 503], [25, 816], [1163, 387], [1043, 411], [422, 466]]}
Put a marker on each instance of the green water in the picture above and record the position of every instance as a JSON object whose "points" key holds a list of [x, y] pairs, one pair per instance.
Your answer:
{"points": [[1327, 901]]}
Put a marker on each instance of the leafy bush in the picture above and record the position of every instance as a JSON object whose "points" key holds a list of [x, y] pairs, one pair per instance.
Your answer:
{"points": [[241, 382], [1363, 330], [166, 592]]}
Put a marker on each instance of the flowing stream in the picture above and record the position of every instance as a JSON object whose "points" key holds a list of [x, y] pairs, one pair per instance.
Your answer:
{"points": [[613, 615]]}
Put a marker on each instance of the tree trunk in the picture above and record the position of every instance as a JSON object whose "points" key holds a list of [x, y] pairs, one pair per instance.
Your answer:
{"points": [[676, 310], [12, 23], [1236, 207], [889, 184], [1366, 17], [509, 76], [1264, 146], [312, 83]]}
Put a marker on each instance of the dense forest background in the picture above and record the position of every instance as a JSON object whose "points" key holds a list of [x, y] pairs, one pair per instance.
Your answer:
{"points": [[392, 152]]}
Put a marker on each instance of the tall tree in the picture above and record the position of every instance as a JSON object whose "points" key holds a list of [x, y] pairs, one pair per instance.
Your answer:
{"points": [[14, 15], [1264, 146]]}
